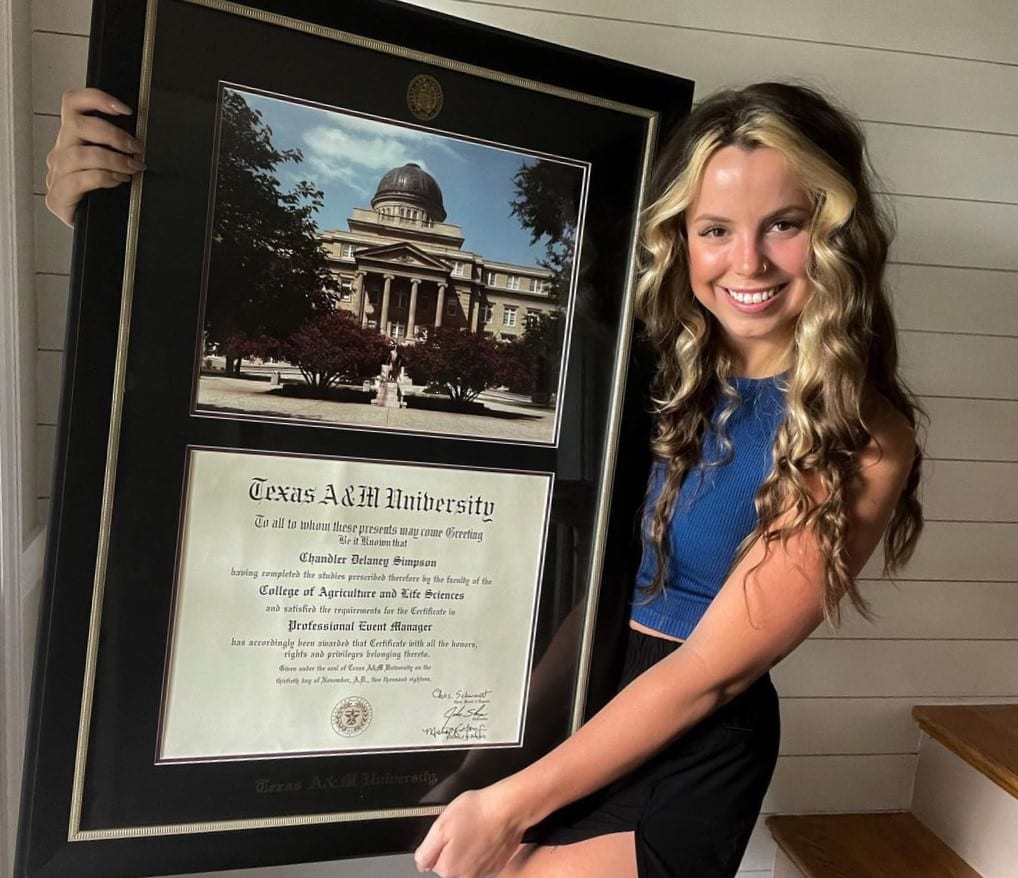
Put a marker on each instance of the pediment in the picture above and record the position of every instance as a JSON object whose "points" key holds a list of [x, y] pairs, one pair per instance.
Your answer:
{"points": [[403, 253]]}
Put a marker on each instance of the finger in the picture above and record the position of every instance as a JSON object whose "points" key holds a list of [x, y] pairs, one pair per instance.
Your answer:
{"points": [[92, 158], [86, 100], [75, 130], [73, 160], [95, 130], [63, 199], [428, 851]]}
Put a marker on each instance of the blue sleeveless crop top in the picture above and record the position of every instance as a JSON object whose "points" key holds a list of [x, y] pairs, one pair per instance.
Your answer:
{"points": [[714, 511]]}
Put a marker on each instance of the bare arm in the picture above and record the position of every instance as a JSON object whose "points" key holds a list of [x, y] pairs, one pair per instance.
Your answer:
{"points": [[90, 152], [747, 629]]}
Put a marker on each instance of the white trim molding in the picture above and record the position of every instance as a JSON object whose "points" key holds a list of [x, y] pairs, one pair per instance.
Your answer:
{"points": [[20, 544]]}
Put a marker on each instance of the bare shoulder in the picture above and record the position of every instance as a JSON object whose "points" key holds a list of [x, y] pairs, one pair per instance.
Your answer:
{"points": [[892, 444], [887, 460]]}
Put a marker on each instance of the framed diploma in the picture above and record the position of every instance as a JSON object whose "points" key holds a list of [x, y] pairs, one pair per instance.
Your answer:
{"points": [[352, 439]]}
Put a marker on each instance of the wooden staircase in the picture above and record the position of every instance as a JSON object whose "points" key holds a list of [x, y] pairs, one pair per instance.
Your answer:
{"points": [[963, 821]]}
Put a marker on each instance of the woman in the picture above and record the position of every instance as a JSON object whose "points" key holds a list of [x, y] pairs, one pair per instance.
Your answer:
{"points": [[785, 448]]}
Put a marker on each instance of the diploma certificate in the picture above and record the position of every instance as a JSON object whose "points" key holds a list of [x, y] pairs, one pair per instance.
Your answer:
{"points": [[338, 605]]}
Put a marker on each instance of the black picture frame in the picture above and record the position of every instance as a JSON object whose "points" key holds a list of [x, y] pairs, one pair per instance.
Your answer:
{"points": [[95, 802]]}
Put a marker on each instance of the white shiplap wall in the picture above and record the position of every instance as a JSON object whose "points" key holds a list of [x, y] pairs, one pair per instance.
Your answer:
{"points": [[936, 83]]}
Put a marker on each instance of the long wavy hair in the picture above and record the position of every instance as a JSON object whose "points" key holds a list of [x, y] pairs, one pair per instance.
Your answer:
{"points": [[844, 346]]}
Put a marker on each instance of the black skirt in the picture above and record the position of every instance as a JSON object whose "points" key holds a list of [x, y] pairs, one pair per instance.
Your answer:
{"points": [[693, 806]]}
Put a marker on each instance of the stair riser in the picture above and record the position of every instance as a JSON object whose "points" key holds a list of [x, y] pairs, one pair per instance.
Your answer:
{"points": [[966, 809], [784, 867]]}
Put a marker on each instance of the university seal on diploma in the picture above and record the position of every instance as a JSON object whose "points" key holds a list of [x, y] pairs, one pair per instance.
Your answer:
{"points": [[351, 716]]}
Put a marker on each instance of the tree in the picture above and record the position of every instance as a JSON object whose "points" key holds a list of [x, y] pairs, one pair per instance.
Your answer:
{"points": [[547, 205], [333, 346], [464, 363], [543, 337], [531, 362], [268, 273], [516, 366], [239, 345]]}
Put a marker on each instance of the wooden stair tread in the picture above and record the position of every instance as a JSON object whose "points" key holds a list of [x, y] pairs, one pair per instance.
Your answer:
{"points": [[885, 845], [984, 735]]}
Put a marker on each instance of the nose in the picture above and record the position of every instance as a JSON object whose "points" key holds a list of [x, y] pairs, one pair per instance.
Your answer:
{"points": [[749, 259]]}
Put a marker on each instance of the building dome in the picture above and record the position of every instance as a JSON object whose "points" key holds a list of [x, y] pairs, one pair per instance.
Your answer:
{"points": [[409, 186]]}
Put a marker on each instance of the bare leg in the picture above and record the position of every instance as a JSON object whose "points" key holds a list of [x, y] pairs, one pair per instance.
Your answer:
{"points": [[604, 856]]}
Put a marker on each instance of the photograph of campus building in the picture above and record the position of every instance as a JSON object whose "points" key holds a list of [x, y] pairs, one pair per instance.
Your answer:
{"points": [[403, 268], [349, 256]]}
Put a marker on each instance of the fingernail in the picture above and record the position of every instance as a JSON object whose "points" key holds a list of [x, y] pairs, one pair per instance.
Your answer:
{"points": [[120, 107], [136, 164], [121, 178]]}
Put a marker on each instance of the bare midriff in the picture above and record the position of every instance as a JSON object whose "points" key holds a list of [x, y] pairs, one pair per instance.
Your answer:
{"points": [[643, 629]]}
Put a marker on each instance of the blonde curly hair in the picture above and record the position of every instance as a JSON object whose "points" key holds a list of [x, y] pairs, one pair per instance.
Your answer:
{"points": [[844, 346]]}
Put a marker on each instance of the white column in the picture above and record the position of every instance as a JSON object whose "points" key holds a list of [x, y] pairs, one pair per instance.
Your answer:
{"points": [[440, 306], [358, 291], [410, 321], [383, 324]]}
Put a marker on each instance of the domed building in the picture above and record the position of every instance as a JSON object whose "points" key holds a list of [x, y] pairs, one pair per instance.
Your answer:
{"points": [[403, 269], [411, 193]]}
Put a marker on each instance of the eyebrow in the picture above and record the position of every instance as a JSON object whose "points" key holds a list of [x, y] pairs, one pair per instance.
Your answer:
{"points": [[780, 212]]}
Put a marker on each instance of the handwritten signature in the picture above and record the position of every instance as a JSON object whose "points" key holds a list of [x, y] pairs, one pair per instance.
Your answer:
{"points": [[458, 731], [465, 715]]}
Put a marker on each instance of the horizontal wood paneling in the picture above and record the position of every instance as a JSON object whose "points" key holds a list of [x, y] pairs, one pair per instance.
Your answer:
{"points": [[815, 726], [940, 364], [805, 784], [52, 241], [943, 163], [947, 27], [955, 491], [936, 231], [954, 299], [928, 609], [47, 385], [960, 551], [51, 310], [900, 668], [972, 429], [860, 726], [58, 63], [44, 135], [62, 16], [45, 440], [878, 86]]}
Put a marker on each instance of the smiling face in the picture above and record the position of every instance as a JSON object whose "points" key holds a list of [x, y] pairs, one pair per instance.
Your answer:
{"points": [[748, 234]]}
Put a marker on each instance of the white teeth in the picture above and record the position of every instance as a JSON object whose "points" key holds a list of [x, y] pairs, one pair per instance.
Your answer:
{"points": [[752, 298]]}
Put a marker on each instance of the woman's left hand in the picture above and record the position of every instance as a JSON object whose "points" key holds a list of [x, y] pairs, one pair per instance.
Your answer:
{"points": [[474, 836]]}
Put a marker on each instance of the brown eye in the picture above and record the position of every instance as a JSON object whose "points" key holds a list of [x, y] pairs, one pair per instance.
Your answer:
{"points": [[786, 225], [712, 232]]}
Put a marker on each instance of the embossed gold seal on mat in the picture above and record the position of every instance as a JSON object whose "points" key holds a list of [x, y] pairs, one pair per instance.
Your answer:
{"points": [[424, 97]]}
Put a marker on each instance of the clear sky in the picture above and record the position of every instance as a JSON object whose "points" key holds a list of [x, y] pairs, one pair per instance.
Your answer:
{"points": [[346, 155]]}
